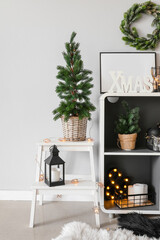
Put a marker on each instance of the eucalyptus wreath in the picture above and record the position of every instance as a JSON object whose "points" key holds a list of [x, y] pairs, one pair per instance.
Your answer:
{"points": [[132, 37]]}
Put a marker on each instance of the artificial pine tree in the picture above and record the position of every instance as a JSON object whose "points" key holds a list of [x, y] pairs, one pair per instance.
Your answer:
{"points": [[74, 86]]}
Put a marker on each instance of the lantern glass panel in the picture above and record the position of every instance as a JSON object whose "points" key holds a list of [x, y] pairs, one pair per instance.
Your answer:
{"points": [[61, 172], [47, 172]]}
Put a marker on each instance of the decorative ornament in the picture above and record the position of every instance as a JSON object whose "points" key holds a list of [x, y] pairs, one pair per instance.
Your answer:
{"points": [[116, 184], [132, 37], [122, 84]]}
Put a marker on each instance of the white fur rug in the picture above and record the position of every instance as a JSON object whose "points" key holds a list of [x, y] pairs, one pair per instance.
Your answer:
{"points": [[82, 231]]}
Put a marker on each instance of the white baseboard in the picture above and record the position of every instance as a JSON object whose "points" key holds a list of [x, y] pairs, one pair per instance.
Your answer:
{"points": [[15, 195], [27, 196]]}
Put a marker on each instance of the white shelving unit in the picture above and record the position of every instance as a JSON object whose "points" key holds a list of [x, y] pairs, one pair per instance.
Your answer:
{"points": [[87, 183], [108, 154]]}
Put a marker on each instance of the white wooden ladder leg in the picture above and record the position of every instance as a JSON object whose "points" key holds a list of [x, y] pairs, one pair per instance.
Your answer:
{"points": [[33, 206], [96, 209], [92, 164], [40, 199]]}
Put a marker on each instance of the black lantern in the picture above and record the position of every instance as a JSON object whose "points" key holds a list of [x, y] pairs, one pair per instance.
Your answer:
{"points": [[54, 169]]}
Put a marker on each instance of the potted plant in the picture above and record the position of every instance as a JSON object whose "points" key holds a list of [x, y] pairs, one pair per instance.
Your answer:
{"points": [[127, 127], [74, 89]]}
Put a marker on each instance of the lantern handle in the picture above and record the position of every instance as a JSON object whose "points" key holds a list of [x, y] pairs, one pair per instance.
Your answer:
{"points": [[51, 147]]}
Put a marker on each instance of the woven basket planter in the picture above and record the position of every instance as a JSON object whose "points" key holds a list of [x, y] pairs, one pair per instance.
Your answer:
{"points": [[127, 141], [74, 129]]}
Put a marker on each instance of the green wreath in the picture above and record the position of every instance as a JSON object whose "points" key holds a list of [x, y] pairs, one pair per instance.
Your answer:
{"points": [[131, 35]]}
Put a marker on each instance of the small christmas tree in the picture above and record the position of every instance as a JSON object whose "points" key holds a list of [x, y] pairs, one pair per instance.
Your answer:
{"points": [[74, 86]]}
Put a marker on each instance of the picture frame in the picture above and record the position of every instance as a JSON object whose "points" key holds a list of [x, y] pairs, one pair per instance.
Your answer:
{"points": [[135, 64]]}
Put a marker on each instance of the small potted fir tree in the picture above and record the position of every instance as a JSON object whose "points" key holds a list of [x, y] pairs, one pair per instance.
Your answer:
{"points": [[74, 89], [127, 127]]}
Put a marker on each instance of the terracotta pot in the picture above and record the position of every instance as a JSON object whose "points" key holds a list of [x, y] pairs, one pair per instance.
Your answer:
{"points": [[127, 141]]}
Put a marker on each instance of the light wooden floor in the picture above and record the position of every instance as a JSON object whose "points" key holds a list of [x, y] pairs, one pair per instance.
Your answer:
{"points": [[14, 219]]}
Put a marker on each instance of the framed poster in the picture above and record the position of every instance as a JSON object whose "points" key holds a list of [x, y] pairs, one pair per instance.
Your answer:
{"points": [[131, 66]]}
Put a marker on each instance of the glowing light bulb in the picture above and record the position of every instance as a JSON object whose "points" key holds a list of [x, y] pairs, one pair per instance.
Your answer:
{"points": [[119, 174], [113, 182], [96, 210], [108, 187], [115, 169], [112, 197], [121, 191], [62, 139], [117, 187], [47, 140], [90, 140], [126, 179], [125, 186], [107, 193], [74, 181], [110, 175]]}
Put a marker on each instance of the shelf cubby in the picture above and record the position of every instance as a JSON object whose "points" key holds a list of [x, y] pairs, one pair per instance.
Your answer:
{"points": [[141, 164], [149, 116], [140, 169]]}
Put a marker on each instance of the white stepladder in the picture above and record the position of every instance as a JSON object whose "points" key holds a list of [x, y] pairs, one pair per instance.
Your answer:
{"points": [[87, 183]]}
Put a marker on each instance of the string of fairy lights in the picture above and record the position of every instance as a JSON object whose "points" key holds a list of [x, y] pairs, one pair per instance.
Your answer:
{"points": [[116, 184]]}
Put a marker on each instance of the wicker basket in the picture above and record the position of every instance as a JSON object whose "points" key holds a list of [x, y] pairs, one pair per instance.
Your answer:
{"points": [[74, 129], [127, 141]]}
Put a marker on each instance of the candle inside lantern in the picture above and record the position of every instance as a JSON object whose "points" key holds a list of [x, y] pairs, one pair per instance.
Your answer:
{"points": [[55, 174]]}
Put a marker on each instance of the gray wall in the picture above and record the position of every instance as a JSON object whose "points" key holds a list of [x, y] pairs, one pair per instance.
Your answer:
{"points": [[32, 36]]}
